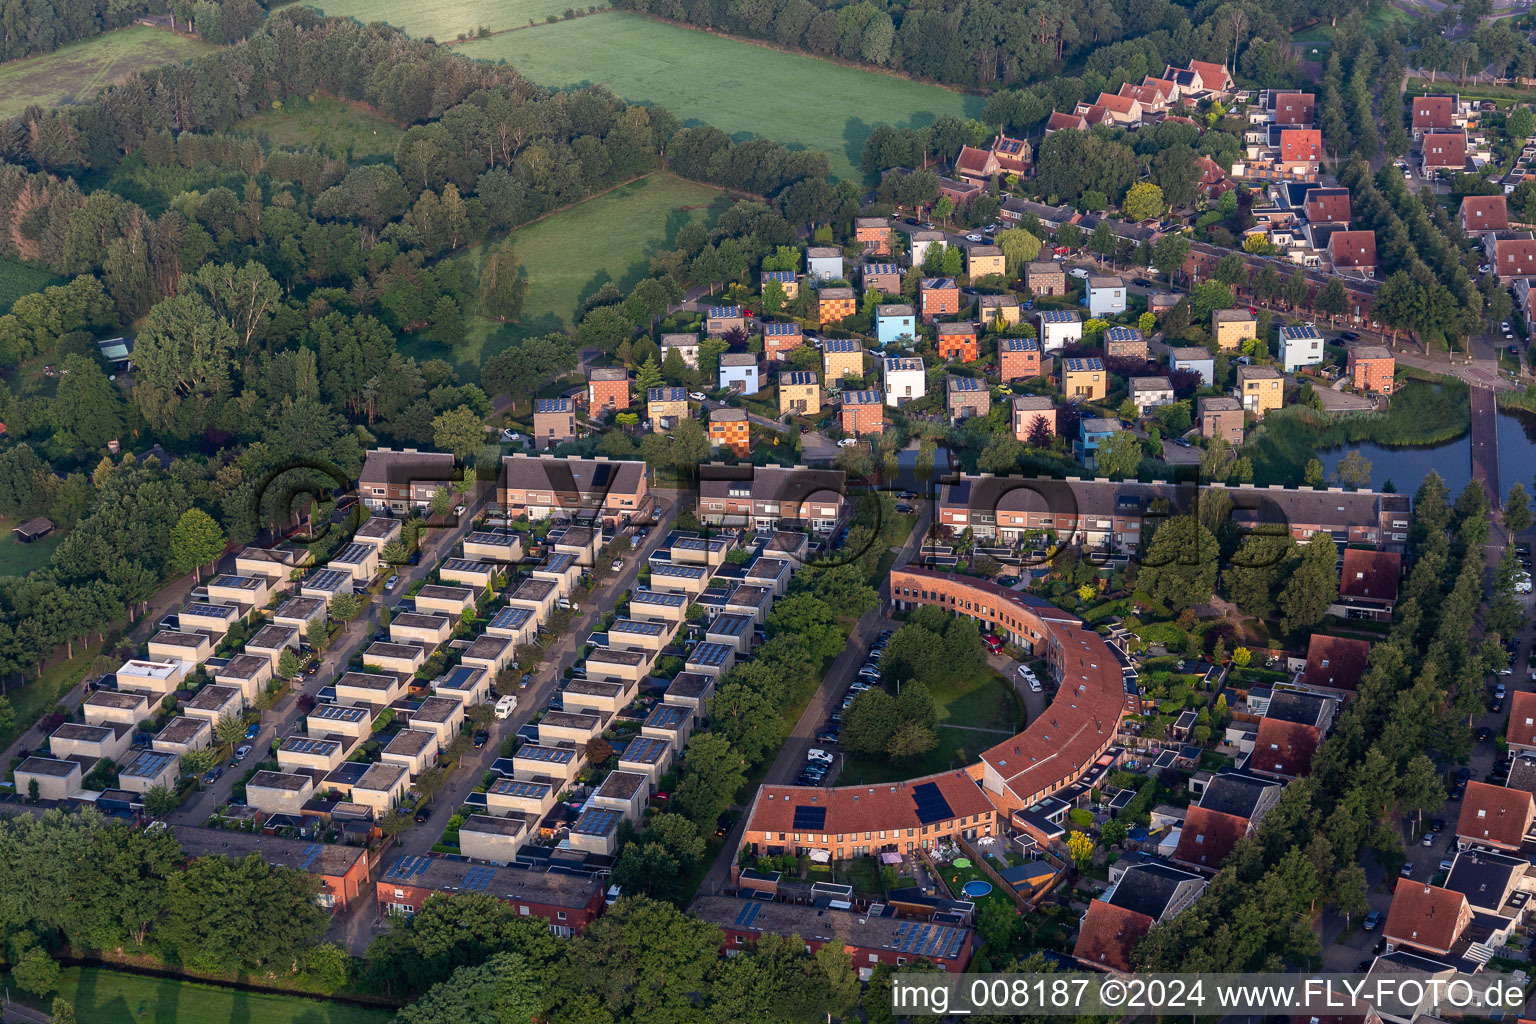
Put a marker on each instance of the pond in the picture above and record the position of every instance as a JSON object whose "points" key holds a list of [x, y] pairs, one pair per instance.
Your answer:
{"points": [[1407, 467]]}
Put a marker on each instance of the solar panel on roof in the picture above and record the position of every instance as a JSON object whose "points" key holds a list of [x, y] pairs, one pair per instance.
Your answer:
{"points": [[310, 853], [478, 878], [931, 805], [810, 818]]}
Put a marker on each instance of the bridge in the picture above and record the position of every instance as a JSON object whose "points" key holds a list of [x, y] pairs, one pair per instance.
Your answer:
{"points": [[1485, 442]]}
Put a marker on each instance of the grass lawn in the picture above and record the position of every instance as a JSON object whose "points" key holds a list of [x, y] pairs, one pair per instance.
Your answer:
{"points": [[984, 702], [113, 997], [80, 70], [329, 124], [446, 20], [18, 279], [742, 89], [569, 255], [36, 696], [18, 559]]}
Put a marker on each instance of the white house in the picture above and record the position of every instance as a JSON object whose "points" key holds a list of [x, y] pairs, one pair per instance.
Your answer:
{"points": [[1106, 295], [1300, 346], [1059, 328], [824, 263], [739, 369], [905, 379], [1150, 392]]}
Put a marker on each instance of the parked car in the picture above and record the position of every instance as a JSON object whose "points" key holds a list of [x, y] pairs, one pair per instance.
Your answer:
{"points": [[697, 396], [252, 729], [423, 813], [1349, 336], [826, 737], [993, 643], [1141, 282], [241, 751], [816, 754], [1372, 921], [480, 738]]}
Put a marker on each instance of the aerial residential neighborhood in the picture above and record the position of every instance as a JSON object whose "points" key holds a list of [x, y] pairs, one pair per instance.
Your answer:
{"points": [[840, 499]]}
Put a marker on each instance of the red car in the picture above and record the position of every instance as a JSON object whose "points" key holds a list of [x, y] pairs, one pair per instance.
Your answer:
{"points": [[1062, 250], [1252, 311], [993, 643]]}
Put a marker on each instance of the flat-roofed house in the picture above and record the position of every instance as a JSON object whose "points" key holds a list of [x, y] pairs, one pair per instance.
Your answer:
{"points": [[710, 659], [499, 546], [150, 769], [324, 754], [214, 702], [342, 870], [105, 707], [349, 721], [440, 716], [538, 761], [1231, 327], [799, 393], [326, 584], [732, 628], [391, 657], [538, 596], [528, 797], [271, 641], [1032, 413], [192, 648], [426, 628], [157, 677], [489, 652], [645, 755], [625, 792], [1222, 418], [596, 830], [692, 580], [82, 740], [841, 357], [205, 616], [279, 792], [569, 728], [621, 665], [516, 624], [739, 370], [467, 684], [685, 345], [448, 600], [599, 695], [403, 480], [376, 689], [658, 605], [361, 560], [690, 690], [246, 591], [1058, 328], [250, 672], [640, 634], [1260, 389], [378, 531], [415, 750], [277, 564], [382, 787], [561, 569], [666, 407], [182, 735], [299, 612], [483, 837], [468, 572], [607, 390], [554, 421], [670, 722], [1149, 392], [56, 778]]}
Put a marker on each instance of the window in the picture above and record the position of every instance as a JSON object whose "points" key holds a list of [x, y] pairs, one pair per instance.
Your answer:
{"points": [[522, 910], [560, 915]]}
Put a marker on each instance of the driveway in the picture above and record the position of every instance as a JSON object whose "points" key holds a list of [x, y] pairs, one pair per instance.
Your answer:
{"points": [[1335, 400]]}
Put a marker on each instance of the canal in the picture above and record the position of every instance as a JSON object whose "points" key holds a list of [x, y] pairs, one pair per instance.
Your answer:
{"points": [[1406, 467]]}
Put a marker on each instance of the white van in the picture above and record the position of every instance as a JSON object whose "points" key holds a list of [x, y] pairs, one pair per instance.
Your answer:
{"points": [[506, 705]]}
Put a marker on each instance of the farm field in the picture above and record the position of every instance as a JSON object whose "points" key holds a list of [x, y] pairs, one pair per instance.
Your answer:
{"points": [[80, 70], [337, 127], [112, 997], [18, 279], [569, 255], [446, 20], [742, 89]]}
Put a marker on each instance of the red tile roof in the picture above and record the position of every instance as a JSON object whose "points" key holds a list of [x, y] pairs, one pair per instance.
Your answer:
{"points": [[1301, 145], [1208, 837], [1095, 113], [1062, 122], [1283, 748], [1371, 575], [1426, 916], [1522, 719], [1294, 108], [1434, 112], [1352, 248], [1445, 149], [1119, 104], [1485, 213], [1212, 76], [1335, 662], [1514, 257], [973, 161], [1108, 935], [852, 809], [1494, 815], [1328, 206]]}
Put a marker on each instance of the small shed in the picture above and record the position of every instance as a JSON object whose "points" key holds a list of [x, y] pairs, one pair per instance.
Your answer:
{"points": [[33, 529]]}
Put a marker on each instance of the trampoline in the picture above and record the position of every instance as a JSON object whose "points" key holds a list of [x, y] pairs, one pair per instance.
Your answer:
{"points": [[976, 888]]}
